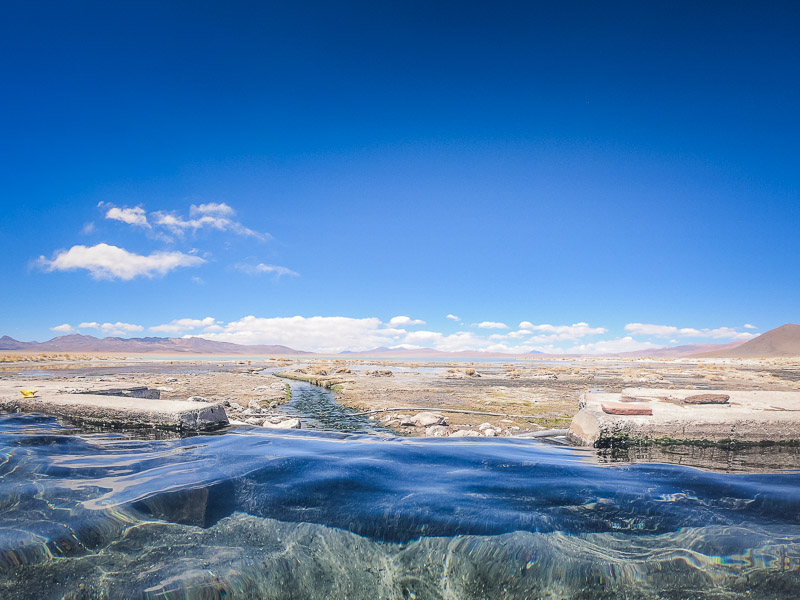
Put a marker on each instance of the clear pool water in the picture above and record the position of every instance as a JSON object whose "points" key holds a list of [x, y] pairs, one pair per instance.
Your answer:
{"points": [[251, 513]]}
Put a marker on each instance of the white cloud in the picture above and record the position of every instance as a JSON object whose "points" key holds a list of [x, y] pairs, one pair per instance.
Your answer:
{"points": [[212, 216], [117, 328], [671, 331], [321, 334], [749, 326], [625, 344], [65, 328], [453, 317], [131, 216], [212, 208], [650, 329], [105, 261], [422, 336], [335, 334], [492, 325], [402, 320], [263, 268], [561, 332], [88, 228], [184, 325]]}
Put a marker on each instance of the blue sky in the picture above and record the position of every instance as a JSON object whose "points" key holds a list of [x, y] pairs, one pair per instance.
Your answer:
{"points": [[594, 176]]}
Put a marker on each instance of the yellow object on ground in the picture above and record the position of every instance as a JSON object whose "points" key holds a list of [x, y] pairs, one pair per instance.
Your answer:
{"points": [[28, 393]]}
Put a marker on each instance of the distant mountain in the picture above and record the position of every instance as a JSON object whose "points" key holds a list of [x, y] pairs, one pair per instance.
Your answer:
{"points": [[146, 345], [781, 341]]}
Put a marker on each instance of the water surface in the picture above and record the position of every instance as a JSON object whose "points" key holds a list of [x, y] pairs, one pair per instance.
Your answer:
{"points": [[251, 513]]}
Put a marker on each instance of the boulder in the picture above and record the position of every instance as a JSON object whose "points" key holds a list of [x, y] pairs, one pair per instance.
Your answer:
{"points": [[436, 431], [465, 433], [426, 419], [282, 424], [408, 420], [196, 399]]}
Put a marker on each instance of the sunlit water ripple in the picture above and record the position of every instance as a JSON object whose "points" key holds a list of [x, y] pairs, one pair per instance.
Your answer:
{"points": [[252, 513]]}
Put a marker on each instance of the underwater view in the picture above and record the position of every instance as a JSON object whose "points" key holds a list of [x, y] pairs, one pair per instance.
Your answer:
{"points": [[256, 513]]}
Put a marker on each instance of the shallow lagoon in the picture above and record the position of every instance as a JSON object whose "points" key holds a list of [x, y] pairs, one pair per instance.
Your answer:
{"points": [[251, 513]]}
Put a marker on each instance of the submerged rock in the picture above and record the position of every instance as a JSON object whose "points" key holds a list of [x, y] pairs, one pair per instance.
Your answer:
{"points": [[275, 423]]}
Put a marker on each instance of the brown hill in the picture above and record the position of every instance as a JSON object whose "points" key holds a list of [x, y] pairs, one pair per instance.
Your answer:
{"points": [[146, 345], [782, 341]]}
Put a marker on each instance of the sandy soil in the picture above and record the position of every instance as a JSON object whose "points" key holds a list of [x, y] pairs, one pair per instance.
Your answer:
{"points": [[528, 395]]}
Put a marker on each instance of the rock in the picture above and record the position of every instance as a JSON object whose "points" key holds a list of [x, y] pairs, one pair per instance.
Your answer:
{"points": [[165, 388], [436, 431], [171, 380], [490, 432], [465, 433], [484, 426], [707, 399], [196, 399], [273, 405], [284, 424], [343, 370], [407, 420], [618, 408], [253, 421], [254, 405], [202, 506], [426, 419], [236, 406]]}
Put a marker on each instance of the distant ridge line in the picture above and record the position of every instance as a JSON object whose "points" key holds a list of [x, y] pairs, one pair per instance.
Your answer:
{"points": [[146, 345], [782, 341]]}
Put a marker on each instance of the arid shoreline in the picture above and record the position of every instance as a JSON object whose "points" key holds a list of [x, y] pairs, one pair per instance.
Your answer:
{"points": [[523, 396]]}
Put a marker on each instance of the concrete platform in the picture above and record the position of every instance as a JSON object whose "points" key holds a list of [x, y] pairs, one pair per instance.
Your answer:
{"points": [[112, 406], [687, 416]]}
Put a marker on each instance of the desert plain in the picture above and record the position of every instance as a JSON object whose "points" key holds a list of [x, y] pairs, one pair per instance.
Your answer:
{"points": [[465, 398]]}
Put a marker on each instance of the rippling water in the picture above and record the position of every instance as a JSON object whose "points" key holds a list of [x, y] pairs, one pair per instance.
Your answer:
{"points": [[251, 513]]}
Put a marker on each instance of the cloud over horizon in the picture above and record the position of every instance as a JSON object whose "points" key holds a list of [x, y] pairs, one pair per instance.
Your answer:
{"points": [[337, 334], [668, 331]]}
